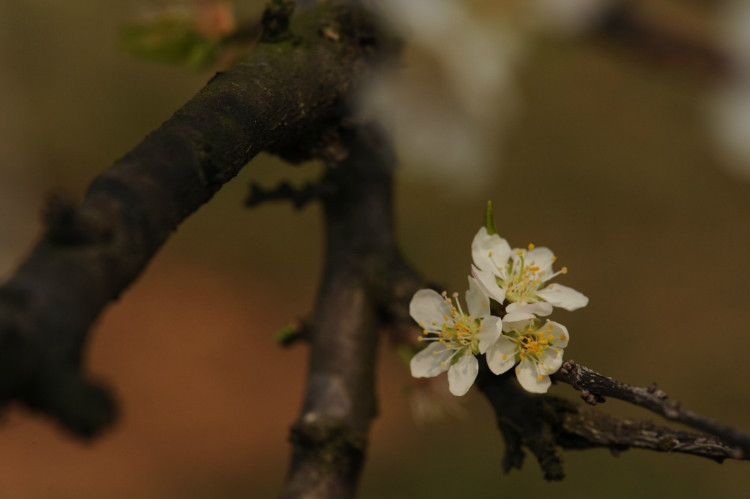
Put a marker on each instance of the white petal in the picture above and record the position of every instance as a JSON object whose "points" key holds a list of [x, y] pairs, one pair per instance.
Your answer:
{"points": [[431, 361], [426, 307], [492, 328], [539, 308], [542, 258], [517, 326], [529, 377], [518, 316], [476, 299], [485, 245], [524, 311], [488, 284], [563, 297], [560, 334], [551, 360], [502, 355], [462, 374]]}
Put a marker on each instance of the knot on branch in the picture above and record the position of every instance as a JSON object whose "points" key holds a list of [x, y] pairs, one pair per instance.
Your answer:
{"points": [[328, 441], [275, 20], [656, 392], [578, 378], [344, 29]]}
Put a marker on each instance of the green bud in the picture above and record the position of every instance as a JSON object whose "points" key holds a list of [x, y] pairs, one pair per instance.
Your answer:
{"points": [[287, 334], [489, 220]]}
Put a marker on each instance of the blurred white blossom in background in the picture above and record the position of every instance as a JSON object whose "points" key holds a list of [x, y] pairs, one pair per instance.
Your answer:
{"points": [[450, 100], [730, 106]]}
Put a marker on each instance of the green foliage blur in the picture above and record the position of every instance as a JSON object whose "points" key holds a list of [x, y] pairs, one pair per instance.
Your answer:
{"points": [[169, 39]]}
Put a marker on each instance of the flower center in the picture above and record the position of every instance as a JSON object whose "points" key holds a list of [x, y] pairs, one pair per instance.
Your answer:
{"points": [[534, 341], [459, 330], [525, 278]]}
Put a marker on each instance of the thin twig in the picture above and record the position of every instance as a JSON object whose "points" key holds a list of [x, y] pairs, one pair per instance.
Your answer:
{"points": [[543, 423], [594, 387], [585, 428]]}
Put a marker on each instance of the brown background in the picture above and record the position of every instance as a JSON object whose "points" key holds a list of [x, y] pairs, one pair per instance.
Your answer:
{"points": [[607, 161]]}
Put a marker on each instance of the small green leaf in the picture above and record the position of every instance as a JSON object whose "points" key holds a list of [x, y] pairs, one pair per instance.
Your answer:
{"points": [[169, 39], [286, 334], [489, 220]]}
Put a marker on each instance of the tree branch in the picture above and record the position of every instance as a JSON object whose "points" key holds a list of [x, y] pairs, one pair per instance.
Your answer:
{"points": [[583, 428], [544, 423], [330, 438], [283, 97], [661, 39], [594, 387]]}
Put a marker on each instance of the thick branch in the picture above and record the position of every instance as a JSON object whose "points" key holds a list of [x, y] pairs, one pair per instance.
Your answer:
{"points": [[329, 440], [283, 97]]}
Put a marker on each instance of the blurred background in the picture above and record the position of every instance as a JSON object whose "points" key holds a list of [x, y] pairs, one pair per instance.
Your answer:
{"points": [[617, 135]]}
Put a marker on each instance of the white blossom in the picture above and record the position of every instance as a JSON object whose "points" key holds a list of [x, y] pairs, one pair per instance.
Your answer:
{"points": [[520, 277], [536, 348], [454, 336]]}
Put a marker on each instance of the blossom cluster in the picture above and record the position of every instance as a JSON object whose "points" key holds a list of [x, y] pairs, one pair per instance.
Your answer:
{"points": [[510, 331]]}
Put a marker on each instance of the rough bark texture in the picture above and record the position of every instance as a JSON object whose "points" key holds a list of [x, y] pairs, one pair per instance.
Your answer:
{"points": [[594, 387], [330, 438], [545, 424], [286, 96]]}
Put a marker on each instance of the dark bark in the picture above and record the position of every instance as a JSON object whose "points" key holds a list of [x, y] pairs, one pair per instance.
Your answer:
{"points": [[330, 438], [285, 97], [594, 387], [544, 424]]}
